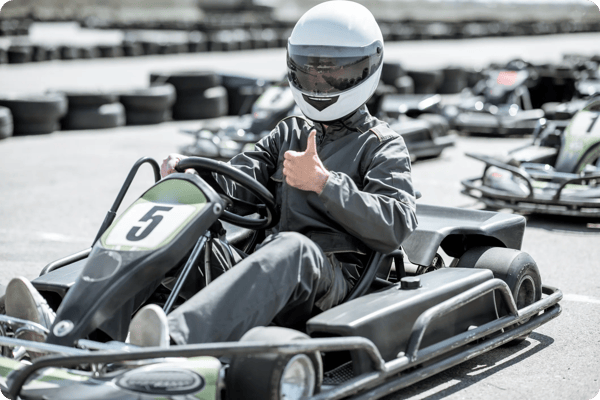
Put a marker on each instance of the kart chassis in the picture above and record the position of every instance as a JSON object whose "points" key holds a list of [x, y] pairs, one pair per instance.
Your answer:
{"points": [[373, 376]]}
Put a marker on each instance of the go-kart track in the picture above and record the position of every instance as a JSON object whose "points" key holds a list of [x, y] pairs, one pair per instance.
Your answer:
{"points": [[55, 191]]}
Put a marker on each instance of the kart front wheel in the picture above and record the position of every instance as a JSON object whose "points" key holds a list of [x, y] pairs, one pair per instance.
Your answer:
{"points": [[516, 268], [274, 376]]}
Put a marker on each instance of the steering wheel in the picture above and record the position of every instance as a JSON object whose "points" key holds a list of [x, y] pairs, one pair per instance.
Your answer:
{"points": [[205, 167]]}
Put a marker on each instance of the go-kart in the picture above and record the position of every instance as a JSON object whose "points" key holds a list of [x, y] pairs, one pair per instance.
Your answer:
{"points": [[228, 138], [416, 118], [498, 105], [558, 173], [510, 99], [408, 316]]}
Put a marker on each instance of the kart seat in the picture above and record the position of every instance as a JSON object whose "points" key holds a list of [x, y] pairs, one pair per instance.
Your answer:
{"points": [[377, 271]]}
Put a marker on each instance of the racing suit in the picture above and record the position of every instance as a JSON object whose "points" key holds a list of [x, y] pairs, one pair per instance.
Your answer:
{"points": [[312, 258]]}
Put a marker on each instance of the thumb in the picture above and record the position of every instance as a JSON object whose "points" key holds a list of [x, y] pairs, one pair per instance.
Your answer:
{"points": [[311, 145]]}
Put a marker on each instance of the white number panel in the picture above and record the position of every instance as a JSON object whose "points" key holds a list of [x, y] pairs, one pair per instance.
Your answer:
{"points": [[585, 124], [147, 225]]}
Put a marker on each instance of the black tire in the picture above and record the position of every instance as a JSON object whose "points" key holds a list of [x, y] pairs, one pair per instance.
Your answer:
{"points": [[38, 108], [197, 42], [516, 268], [39, 53], [147, 117], [188, 81], [260, 374], [35, 127], [211, 103], [6, 123], [3, 57], [110, 51], [391, 71], [149, 47], [90, 99], [102, 117], [19, 54], [132, 48], [454, 80], [69, 53], [89, 52], [154, 98], [426, 82], [591, 157]]}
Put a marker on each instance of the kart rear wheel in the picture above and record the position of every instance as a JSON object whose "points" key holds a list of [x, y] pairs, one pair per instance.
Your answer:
{"points": [[271, 376], [516, 268]]}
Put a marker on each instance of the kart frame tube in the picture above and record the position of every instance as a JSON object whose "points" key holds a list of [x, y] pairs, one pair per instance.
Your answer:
{"points": [[501, 195], [110, 215], [381, 370]]}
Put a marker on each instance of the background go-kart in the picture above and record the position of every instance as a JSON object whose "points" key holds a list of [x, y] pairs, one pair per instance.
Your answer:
{"points": [[55, 190]]}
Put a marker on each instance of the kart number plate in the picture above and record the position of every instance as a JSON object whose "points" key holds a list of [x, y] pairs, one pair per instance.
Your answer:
{"points": [[148, 225], [585, 123]]}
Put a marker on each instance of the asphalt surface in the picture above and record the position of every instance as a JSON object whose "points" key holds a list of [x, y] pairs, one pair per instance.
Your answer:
{"points": [[55, 190]]}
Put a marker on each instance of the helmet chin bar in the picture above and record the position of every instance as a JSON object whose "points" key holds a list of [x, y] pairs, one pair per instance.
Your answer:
{"points": [[341, 119]]}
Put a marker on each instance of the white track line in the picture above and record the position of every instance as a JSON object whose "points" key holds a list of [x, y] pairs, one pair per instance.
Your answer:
{"points": [[581, 299]]}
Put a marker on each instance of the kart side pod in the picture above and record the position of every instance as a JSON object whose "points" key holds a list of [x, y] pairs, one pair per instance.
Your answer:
{"points": [[387, 317]]}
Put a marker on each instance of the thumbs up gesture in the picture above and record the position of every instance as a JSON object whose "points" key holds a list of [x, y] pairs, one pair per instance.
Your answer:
{"points": [[304, 170]]}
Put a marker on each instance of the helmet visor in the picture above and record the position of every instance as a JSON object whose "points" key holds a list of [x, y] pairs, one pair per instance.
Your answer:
{"points": [[330, 70]]}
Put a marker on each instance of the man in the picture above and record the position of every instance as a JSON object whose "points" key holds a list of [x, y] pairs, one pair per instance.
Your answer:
{"points": [[341, 180]]}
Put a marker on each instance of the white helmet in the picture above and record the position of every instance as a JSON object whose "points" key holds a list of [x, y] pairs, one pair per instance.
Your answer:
{"points": [[334, 59]]}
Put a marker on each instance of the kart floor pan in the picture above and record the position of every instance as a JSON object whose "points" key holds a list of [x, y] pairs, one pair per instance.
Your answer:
{"points": [[384, 378]]}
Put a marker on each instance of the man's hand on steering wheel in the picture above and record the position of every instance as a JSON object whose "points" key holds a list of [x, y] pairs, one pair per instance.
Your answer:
{"points": [[169, 164]]}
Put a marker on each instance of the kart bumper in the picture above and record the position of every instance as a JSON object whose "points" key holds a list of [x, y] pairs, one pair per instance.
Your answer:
{"points": [[382, 379], [479, 122], [430, 148], [546, 204], [555, 198], [199, 377]]}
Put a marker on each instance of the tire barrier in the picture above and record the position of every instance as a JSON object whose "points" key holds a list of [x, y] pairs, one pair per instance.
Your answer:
{"points": [[426, 82], [93, 110], [199, 94], [147, 38], [36, 114], [148, 106], [242, 92]]}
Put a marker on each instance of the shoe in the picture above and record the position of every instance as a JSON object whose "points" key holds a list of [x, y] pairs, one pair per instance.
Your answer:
{"points": [[25, 302], [149, 327]]}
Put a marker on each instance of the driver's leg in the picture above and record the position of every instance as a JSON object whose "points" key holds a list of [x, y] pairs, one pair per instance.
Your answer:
{"points": [[287, 277]]}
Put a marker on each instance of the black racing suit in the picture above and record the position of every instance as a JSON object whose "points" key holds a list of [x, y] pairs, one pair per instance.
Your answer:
{"points": [[315, 254]]}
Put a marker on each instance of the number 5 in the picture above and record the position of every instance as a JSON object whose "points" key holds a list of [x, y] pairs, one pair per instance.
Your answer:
{"points": [[150, 216]]}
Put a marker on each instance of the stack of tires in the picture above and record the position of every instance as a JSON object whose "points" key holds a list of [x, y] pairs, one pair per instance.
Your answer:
{"points": [[6, 123], [393, 75], [242, 92], [455, 79], [199, 94], [35, 114], [93, 110], [148, 106]]}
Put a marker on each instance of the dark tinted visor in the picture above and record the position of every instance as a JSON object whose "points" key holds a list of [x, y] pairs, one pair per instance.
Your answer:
{"points": [[329, 70]]}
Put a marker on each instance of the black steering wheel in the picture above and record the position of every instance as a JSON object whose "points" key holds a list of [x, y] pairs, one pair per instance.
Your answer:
{"points": [[205, 167]]}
